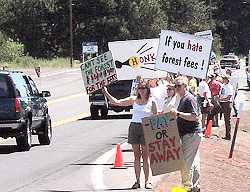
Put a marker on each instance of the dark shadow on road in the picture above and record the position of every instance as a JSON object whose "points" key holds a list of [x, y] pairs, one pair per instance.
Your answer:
{"points": [[127, 150], [127, 164], [61, 191], [111, 189], [117, 189], [244, 89], [109, 117], [83, 164], [7, 149]]}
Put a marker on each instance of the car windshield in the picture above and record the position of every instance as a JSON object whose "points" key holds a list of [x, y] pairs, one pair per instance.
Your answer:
{"points": [[229, 57]]}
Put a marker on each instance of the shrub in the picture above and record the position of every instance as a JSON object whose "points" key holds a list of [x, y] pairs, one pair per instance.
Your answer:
{"points": [[10, 49]]}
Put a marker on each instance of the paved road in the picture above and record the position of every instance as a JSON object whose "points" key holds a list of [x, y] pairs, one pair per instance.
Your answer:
{"points": [[65, 165]]}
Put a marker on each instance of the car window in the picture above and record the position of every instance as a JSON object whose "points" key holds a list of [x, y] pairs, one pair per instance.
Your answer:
{"points": [[22, 88], [229, 57], [31, 85], [5, 90]]}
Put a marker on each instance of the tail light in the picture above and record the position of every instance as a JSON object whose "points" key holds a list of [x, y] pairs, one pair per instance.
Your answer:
{"points": [[17, 105]]}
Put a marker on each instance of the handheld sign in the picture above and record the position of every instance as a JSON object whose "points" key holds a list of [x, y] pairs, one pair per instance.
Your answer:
{"points": [[98, 72], [137, 57], [163, 143], [183, 53]]}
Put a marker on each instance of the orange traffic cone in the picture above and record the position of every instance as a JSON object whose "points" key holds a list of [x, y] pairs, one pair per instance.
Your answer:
{"points": [[118, 158], [208, 131]]}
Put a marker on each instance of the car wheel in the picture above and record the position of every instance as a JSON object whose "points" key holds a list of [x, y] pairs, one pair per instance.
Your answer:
{"points": [[94, 112], [24, 142], [104, 112], [46, 129]]}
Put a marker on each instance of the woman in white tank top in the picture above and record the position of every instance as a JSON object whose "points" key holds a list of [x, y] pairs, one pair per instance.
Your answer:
{"points": [[143, 106]]}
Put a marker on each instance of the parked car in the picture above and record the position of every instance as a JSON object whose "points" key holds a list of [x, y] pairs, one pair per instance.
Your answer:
{"points": [[99, 106], [230, 61], [23, 110]]}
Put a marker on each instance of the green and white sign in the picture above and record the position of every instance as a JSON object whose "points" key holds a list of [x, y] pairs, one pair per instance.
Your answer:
{"points": [[98, 72]]}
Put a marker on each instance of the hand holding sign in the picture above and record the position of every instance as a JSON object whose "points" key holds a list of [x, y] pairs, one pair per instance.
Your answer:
{"points": [[163, 143]]}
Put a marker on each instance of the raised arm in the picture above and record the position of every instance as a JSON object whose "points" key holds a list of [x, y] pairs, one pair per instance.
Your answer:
{"points": [[119, 102]]}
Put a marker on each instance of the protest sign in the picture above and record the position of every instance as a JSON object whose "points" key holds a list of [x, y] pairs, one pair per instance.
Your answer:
{"points": [[98, 72], [163, 143], [135, 57], [183, 53]]}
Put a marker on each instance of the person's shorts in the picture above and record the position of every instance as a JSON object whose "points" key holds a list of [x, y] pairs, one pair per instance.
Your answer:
{"points": [[135, 134], [204, 110]]}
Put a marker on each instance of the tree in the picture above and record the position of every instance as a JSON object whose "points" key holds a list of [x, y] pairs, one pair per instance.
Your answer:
{"points": [[232, 23]]}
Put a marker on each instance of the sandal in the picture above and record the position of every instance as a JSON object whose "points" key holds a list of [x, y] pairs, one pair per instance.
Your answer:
{"points": [[148, 186], [136, 186]]}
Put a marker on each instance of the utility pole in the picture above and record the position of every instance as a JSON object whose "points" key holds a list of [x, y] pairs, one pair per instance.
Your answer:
{"points": [[71, 33], [210, 13]]}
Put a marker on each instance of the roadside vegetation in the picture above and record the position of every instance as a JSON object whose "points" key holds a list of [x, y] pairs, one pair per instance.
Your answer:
{"points": [[12, 55], [40, 29]]}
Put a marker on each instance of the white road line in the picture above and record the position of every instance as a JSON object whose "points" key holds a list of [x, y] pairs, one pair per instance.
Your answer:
{"points": [[97, 172], [57, 73]]}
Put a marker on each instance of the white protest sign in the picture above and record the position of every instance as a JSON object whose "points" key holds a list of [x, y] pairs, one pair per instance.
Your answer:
{"points": [[98, 72], [135, 57], [183, 53], [163, 143]]}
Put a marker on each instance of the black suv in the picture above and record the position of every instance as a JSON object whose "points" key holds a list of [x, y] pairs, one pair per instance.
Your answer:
{"points": [[23, 110]]}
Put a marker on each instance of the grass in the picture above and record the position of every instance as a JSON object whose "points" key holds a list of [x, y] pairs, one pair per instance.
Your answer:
{"points": [[27, 62]]}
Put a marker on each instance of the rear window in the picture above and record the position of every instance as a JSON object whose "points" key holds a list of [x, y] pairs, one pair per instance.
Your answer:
{"points": [[5, 87]]}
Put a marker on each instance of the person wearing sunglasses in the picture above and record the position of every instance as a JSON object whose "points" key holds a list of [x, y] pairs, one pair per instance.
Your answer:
{"points": [[143, 106], [190, 130], [172, 100]]}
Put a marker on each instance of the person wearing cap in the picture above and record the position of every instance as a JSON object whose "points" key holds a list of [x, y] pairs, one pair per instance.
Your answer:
{"points": [[225, 98], [189, 126]]}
